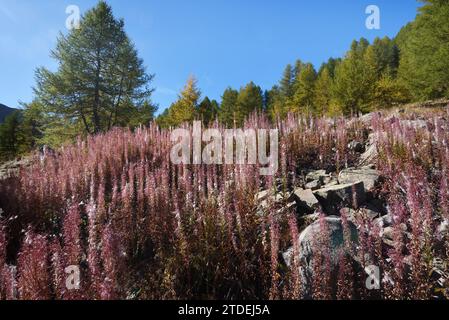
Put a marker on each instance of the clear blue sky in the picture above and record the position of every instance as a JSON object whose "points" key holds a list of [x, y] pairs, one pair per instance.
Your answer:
{"points": [[222, 42]]}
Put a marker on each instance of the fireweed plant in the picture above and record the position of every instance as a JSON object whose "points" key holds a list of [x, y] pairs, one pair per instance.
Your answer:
{"points": [[140, 227]]}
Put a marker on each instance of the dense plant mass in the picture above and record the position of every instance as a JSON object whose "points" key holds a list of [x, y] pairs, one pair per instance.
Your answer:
{"points": [[102, 83], [140, 227]]}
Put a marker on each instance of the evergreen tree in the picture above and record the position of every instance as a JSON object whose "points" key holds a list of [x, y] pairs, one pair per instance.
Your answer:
{"points": [[249, 99], [207, 111], [100, 78], [424, 61], [10, 136], [228, 107], [276, 105], [286, 84]]}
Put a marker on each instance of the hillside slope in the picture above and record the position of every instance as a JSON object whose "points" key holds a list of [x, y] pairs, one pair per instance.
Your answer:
{"points": [[4, 112]]}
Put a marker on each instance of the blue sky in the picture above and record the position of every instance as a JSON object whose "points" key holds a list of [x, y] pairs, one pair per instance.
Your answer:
{"points": [[222, 42]]}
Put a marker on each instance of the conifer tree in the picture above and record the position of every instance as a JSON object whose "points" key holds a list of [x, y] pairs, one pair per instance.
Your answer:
{"points": [[322, 97], [207, 111], [228, 107], [424, 48], [305, 89], [100, 78], [183, 110], [286, 84]]}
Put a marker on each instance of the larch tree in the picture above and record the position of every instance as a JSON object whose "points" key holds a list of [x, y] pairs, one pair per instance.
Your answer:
{"points": [[322, 96], [100, 80], [424, 48], [184, 109], [305, 88]]}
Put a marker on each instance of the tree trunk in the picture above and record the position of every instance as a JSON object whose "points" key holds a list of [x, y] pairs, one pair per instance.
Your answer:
{"points": [[96, 106]]}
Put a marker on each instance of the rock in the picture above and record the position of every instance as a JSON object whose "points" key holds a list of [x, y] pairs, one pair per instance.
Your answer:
{"points": [[305, 199], [356, 146], [370, 154], [265, 204], [370, 177], [387, 236], [416, 124], [316, 175], [385, 221], [442, 230], [308, 248], [289, 207], [350, 195], [326, 180], [262, 195], [367, 210], [331, 183], [309, 218], [313, 185], [366, 119]]}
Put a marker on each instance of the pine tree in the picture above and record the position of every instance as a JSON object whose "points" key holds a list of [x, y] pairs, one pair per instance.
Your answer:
{"points": [[207, 111], [228, 107], [100, 78], [286, 83]]}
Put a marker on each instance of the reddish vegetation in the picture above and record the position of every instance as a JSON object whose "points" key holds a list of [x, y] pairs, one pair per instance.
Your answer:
{"points": [[141, 227]]}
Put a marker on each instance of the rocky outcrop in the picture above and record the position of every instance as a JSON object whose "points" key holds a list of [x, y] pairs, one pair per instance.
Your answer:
{"points": [[338, 196], [309, 247], [369, 156], [306, 201], [356, 146], [369, 176]]}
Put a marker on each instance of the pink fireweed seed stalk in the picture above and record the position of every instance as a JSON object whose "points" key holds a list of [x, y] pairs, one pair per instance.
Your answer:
{"points": [[112, 257], [93, 254], [322, 263], [71, 235], [33, 277], [58, 266], [274, 237], [295, 265], [3, 244]]}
